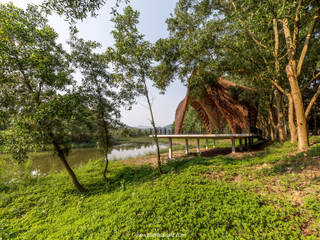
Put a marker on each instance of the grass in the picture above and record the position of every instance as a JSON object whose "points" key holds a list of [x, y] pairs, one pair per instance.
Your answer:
{"points": [[269, 194]]}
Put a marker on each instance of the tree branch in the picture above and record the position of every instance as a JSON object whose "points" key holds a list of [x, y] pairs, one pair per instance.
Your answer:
{"points": [[307, 41], [312, 101], [296, 27], [309, 82], [251, 34], [276, 48], [279, 87], [288, 37]]}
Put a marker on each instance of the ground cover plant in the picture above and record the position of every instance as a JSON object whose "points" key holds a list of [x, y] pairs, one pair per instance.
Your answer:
{"points": [[268, 194]]}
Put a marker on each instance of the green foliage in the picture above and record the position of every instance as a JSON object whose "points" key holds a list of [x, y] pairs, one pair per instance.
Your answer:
{"points": [[103, 94], [40, 103], [132, 57], [129, 132], [34, 83], [237, 40], [78, 10], [192, 122], [131, 54], [136, 200]]}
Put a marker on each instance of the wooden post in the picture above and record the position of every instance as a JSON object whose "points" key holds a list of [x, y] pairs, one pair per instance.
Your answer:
{"points": [[198, 145], [249, 144], [170, 148], [233, 145], [246, 141], [207, 145], [240, 143], [213, 143], [187, 146]]}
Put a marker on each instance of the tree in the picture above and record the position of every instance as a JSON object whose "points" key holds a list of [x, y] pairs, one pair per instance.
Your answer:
{"points": [[299, 20], [104, 97], [36, 85], [77, 10], [132, 57], [244, 41]]}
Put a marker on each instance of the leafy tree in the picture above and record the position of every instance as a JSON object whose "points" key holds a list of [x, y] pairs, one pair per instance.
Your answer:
{"points": [[103, 94], [77, 10], [297, 22], [132, 57], [36, 86], [245, 41]]}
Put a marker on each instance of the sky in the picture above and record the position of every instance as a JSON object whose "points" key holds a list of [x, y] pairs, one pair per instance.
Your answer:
{"points": [[153, 14]]}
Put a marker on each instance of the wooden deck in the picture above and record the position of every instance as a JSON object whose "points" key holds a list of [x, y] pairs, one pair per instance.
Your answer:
{"points": [[248, 140]]}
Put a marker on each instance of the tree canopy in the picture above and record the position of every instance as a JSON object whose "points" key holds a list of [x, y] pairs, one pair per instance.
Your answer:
{"points": [[271, 46]]}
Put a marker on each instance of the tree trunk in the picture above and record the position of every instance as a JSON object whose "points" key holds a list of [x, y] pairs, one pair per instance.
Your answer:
{"points": [[105, 142], [106, 166], [272, 133], [312, 102], [292, 125], [299, 108], [155, 137], [280, 116], [278, 95], [272, 124], [315, 127], [61, 155]]}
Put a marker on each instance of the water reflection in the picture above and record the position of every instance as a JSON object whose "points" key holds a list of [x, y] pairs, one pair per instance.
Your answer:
{"points": [[132, 151], [44, 162]]}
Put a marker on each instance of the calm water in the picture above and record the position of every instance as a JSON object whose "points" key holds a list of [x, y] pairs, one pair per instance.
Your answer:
{"points": [[44, 162]]}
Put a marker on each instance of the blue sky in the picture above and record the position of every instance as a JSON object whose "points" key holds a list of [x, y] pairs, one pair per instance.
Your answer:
{"points": [[153, 14]]}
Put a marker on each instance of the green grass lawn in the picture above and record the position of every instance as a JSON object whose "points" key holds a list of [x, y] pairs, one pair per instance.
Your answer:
{"points": [[269, 194]]}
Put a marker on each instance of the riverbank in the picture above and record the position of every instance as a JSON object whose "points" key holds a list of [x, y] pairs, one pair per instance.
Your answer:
{"points": [[44, 162], [268, 194]]}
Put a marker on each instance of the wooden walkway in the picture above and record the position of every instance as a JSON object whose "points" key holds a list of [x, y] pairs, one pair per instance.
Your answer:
{"points": [[248, 140]]}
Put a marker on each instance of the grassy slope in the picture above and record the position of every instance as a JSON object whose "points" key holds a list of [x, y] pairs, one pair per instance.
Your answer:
{"points": [[272, 194]]}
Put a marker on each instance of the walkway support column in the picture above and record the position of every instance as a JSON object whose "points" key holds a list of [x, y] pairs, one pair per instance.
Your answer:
{"points": [[198, 145], [240, 143], [233, 145], [213, 142], [207, 145], [170, 148], [187, 146]]}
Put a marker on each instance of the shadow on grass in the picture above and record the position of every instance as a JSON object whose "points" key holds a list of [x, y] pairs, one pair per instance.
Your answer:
{"points": [[119, 178], [299, 162]]}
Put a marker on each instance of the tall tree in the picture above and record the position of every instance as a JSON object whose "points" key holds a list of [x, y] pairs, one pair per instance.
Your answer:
{"points": [[36, 81], [132, 57], [104, 97], [295, 22], [247, 42]]}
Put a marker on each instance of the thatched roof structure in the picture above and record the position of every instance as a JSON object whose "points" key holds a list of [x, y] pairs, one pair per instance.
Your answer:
{"points": [[216, 105]]}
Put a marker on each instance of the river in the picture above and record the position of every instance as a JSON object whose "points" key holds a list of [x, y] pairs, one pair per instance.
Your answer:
{"points": [[44, 162]]}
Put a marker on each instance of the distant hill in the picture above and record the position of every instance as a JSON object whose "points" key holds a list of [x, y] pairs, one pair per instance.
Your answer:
{"points": [[168, 127], [142, 127]]}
